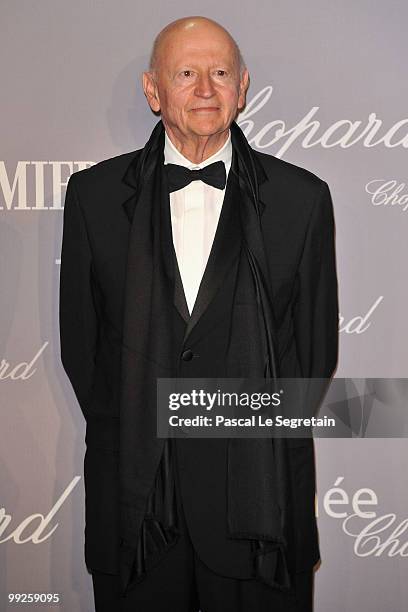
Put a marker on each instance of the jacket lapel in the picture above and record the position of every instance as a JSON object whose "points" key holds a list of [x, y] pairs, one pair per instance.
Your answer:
{"points": [[225, 249], [180, 301]]}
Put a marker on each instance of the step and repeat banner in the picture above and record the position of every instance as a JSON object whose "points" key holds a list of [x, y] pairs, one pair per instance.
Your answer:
{"points": [[328, 92]]}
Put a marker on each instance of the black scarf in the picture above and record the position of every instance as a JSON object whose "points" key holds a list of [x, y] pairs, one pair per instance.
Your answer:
{"points": [[257, 469]]}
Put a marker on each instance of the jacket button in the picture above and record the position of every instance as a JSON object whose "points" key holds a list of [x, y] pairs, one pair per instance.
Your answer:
{"points": [[187, 355]]}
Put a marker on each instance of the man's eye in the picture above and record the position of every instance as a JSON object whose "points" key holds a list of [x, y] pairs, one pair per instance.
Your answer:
{"points": [[186, 72], [222, 71]]}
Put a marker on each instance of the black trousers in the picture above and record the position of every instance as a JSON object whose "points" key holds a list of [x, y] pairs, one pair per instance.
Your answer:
{"points": [[181, 582], [184, 584]]}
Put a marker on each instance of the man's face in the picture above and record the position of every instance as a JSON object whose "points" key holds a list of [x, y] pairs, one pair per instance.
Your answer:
{"points": [[198, 88]]}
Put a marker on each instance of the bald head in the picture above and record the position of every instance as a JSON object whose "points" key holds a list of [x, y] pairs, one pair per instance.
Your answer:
{"points": [[187, 26], [198, 82]]}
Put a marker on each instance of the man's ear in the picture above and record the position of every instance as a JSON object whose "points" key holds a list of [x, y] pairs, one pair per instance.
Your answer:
{"points": [[150, 91], [243, 86]]}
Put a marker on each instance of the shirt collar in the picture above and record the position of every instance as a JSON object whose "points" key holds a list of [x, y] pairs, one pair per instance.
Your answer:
{"points": [[173, 156]]}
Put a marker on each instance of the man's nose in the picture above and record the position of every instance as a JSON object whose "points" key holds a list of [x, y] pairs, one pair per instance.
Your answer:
{"points": [[204, 86]]}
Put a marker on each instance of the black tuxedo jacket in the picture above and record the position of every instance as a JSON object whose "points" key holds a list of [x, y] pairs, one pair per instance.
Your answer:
{"points": [[298, 228]]}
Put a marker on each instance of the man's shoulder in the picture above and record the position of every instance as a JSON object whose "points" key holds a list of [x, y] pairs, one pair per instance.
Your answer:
{"points": [[294, 191], [282, 172], [105, 172]]}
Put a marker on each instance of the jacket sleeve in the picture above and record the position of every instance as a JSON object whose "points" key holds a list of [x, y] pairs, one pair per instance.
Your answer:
{"points": [[78, 322], [316, 318]]}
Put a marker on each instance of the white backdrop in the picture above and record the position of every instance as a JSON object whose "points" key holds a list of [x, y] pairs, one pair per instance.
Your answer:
{"points": [[328, 92]]}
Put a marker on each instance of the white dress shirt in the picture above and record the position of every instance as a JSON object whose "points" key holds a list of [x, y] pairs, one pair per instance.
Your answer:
{"points": [[195, 211]]}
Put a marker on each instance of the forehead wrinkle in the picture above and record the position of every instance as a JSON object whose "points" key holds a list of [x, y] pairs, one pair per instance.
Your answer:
{"points": [[195, 59]]}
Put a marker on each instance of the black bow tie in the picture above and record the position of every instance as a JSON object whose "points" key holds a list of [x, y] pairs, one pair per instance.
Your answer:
{"points": [[179, 176]]}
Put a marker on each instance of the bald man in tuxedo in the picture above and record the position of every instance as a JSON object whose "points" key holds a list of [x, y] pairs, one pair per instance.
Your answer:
{"points": [[195, 256]]}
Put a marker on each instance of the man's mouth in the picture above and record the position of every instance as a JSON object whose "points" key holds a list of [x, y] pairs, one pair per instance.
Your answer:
{"points": [[205, 109]]}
